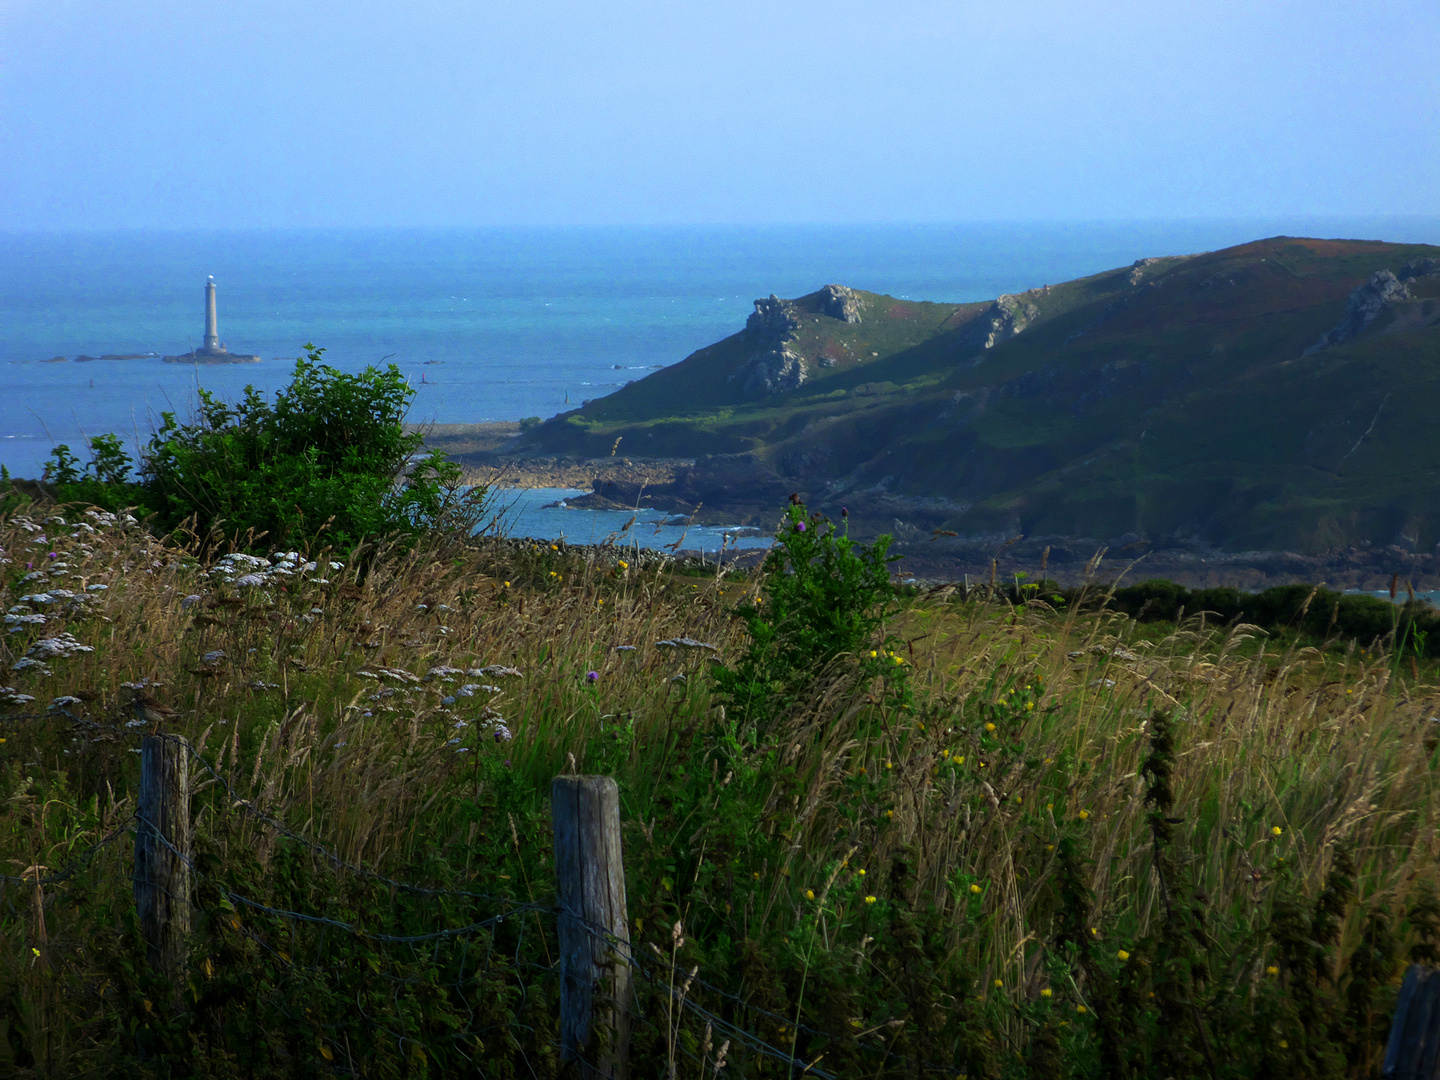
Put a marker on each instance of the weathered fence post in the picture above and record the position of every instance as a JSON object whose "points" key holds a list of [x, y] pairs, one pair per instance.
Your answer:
{"points": [[1414, 1049], [162, 851], [595, 982]]}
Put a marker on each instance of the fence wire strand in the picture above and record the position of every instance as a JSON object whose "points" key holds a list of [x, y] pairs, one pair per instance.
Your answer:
{"points": [[667, 978]]}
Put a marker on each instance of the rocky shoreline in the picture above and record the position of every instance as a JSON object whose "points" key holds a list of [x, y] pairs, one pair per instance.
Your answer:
{"points": [[740, 490]]}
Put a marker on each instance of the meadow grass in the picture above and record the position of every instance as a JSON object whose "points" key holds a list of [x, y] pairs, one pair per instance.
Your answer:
{"points": [[878, 881]]}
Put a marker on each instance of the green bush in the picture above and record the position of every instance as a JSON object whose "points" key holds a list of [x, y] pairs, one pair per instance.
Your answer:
{"points": [[824, 595], [328, 461], [105, 482]]}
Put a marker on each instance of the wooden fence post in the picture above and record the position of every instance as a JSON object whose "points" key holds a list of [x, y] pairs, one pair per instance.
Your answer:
{"points": [[162, 852], [1414, 1049], [594, 926]]}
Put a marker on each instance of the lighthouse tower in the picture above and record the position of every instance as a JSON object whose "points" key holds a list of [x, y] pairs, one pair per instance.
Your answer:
{"points": [[212, 333], [213, 351]]}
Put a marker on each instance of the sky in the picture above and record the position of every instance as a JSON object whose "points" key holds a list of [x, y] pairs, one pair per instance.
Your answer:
{"points": [[120, 114]]}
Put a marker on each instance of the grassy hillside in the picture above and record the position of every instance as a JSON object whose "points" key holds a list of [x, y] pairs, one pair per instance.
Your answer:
{"points": [[1174, 401], [1010, 842]]}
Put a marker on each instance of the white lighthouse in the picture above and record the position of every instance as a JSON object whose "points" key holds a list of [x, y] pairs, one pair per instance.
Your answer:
{"points": [[212, 332], [213, 350]]}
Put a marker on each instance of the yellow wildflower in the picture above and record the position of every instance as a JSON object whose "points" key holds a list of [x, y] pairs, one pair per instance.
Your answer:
{"points": [[1045, 993], [1275, 830], [869, 899], [975, 888]]}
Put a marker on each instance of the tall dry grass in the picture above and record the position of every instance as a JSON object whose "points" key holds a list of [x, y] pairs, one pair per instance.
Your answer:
{"points": [[335, 699]]}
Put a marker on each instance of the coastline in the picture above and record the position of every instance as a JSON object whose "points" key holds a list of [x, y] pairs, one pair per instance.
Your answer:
{"points": [[480, 449], [727, 491]]}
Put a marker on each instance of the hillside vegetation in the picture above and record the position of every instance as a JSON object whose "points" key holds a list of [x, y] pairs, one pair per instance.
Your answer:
{"points": [[908, 835], [1276, 395]]}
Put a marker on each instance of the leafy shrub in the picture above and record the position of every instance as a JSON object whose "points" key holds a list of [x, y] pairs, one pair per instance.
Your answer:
{"points": [[105, 482], [824, 595], [328, 459]]}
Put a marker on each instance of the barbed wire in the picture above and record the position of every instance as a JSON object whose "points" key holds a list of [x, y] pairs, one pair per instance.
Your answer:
{"points": [[664, 975], [75, 865], [319, 849], [394, 939]]}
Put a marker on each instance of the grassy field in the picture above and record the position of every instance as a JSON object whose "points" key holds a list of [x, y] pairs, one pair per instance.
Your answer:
{"points": [[1033, 842]]}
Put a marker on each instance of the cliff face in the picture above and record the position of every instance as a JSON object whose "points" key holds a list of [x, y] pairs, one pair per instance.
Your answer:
{"points": [[1382, 293], [1381, 290], [777, 366], [772, 368]]}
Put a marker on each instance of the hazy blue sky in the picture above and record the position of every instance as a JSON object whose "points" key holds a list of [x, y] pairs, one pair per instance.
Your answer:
{"points": [[142, 113]]}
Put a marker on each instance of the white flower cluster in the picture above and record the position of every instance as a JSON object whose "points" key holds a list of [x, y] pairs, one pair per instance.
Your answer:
{"points": [[399, 674], [10, 696], [104, 519], [18, 618], [468, 690], [51, 647], [685, 643], [496, 726], [248, 571]]}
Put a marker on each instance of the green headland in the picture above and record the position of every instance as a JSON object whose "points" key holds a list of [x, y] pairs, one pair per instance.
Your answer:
{"points": [[1276, 396]]}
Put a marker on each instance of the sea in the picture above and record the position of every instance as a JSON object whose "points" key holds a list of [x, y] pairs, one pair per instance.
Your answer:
{"points": [[488, 324]]}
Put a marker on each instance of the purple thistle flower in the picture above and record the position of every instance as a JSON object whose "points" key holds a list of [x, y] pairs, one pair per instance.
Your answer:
{"points": [[799, 526], [592, 676], [844, 511]]}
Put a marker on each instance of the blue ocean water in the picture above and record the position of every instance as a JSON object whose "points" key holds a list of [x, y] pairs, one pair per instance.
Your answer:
{"points": [[542, 512], [488, 323]]}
